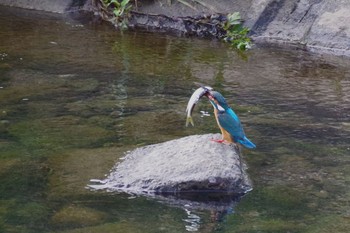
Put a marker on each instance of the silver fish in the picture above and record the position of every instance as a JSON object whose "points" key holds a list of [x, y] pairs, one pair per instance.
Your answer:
{"points": [[197, 94]]}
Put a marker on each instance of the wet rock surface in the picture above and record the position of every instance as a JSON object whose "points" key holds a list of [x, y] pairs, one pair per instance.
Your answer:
{"points": [[183, 166], [202, 26]]}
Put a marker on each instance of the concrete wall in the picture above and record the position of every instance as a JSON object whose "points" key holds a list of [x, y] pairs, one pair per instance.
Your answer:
{"points": [[316, 24], [319, 25], [58, 6]]}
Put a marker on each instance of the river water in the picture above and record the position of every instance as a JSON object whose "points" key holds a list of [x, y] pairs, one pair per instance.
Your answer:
{"points": [[75, 95]]}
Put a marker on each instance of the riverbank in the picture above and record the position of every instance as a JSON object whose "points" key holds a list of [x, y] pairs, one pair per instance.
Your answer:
{"points": [[318, 26]]}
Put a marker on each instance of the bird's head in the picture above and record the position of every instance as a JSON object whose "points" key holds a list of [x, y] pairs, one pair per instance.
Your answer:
{"points": [[217, 100]]}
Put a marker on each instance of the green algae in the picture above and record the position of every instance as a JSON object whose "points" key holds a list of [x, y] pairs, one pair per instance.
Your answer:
{"points": [[76, 216], [73, 169], [287, 210], [53, 134], [18, 89], [120, 227], [279, 199], [23, 215], [117, 213], [329, 223], [7, 164], [164, 121], [267, 225], [125, 212], [33, 214]]}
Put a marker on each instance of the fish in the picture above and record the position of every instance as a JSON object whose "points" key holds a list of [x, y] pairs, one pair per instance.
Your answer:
{"points": [[197, 94]]}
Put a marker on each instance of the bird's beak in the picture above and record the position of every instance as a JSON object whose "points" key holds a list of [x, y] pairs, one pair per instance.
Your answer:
{"points": [[208, 94], [213, 102], [211, 99]]}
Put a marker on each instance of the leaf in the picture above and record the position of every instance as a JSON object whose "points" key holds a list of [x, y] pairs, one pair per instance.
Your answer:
{"points": [[234, 18], [114, 2], [116, 12], [236, 33], [124, 3]]}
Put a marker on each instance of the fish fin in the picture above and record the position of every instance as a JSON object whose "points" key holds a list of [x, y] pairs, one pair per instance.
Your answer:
{"points": [[247, 143], [189, 120]]}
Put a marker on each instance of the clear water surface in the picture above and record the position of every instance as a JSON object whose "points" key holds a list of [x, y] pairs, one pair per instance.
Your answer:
{"points": [[75, 95]]}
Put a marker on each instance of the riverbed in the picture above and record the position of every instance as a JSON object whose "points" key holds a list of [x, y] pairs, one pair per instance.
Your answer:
{"points": [[76, 95]]}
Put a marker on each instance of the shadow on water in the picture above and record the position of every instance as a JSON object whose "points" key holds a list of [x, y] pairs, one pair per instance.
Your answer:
{"points": [[74, 97]]}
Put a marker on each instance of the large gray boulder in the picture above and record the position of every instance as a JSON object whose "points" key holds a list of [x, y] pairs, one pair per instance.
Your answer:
{"points": [[187, 165]]}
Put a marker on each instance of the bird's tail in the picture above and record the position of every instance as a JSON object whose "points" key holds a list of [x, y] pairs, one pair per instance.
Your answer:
{"points": [[247, 143]]}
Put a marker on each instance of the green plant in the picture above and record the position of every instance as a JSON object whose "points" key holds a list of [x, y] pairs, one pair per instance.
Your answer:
{"points": [[236, 33], [121, 9]]}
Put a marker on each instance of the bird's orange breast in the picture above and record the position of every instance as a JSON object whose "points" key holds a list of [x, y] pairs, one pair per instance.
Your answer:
{"points": [[225, 135]]}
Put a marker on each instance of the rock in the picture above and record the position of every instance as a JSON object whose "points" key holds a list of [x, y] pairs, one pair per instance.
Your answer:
{"points": [[187, 165], [201, 26]]}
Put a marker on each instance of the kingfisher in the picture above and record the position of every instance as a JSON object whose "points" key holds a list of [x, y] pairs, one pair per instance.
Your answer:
{"points": [[228, 122]]}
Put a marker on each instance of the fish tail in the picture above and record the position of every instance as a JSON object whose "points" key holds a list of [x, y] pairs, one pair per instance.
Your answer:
{"points": [[189, 120], [247, 143]]}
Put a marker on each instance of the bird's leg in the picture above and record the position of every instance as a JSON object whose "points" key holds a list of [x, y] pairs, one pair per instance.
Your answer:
{"points": [[226, 137], [218, 140], [223, 141]]}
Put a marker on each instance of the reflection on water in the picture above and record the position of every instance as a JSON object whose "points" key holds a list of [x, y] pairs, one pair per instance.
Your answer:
{"points": [[74, 97], [192, 221]]}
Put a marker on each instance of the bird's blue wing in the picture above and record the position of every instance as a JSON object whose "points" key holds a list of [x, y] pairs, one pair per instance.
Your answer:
{"points": [[231, 123]]}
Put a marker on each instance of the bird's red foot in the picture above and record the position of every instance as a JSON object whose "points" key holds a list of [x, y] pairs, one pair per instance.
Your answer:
{"points": [[222, 141], [218, 140]]}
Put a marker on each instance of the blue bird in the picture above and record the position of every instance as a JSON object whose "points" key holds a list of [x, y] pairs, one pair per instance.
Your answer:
{"points": [[228, 121]]}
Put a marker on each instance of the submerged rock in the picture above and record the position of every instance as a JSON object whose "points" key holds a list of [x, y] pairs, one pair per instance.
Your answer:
{"points": [[187, 165]]}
